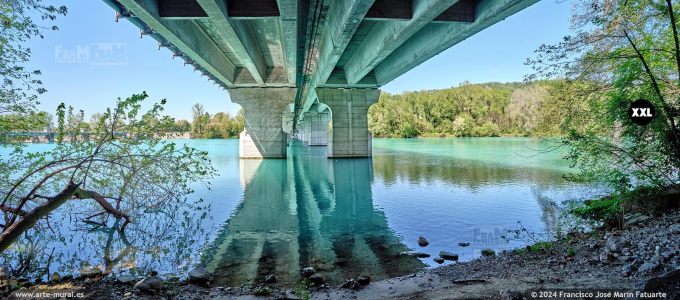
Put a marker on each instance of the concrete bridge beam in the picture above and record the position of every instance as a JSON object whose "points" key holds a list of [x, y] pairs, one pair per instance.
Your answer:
{"points": [[349, 136], [263, 109]]}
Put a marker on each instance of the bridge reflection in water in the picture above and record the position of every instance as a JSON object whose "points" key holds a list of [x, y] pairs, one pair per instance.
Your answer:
{"points": [[307, 210]]}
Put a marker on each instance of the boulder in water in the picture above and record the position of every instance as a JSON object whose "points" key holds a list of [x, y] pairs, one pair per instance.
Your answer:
{"points": [[422, 242], [448, 255]]}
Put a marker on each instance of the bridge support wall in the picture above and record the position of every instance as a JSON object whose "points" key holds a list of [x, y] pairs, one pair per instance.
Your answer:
{"points": [[349, 136], [263, 109]]}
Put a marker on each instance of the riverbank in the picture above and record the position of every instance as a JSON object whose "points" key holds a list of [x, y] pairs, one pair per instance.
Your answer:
{"points": [[645, 256]]}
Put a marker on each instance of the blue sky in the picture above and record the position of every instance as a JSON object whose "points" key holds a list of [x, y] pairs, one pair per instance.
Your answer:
{"points": [[92, 84]]}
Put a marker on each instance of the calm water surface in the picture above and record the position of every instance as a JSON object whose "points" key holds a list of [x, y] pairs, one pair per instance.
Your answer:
{"points": [[342, 216]]}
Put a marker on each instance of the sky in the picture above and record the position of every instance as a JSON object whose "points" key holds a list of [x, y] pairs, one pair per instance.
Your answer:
{"points": [[93, 60]]}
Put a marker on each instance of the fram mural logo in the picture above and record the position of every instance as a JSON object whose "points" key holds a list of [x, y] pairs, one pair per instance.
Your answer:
{"points": [[92, 54]]}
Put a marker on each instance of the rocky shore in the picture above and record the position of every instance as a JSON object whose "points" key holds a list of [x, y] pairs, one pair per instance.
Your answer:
{"points": [[642, 257]]}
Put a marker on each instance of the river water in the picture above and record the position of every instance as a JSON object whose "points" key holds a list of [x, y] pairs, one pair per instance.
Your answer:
{"points": [[344, 217]]}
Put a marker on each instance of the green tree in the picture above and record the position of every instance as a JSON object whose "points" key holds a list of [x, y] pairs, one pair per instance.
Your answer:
{"points": [[182, 126], [19, 86], [622, 51], [120, 165]]}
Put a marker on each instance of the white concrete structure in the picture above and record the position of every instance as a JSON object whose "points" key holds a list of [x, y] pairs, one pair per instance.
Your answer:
{"points": [[263, 110]]}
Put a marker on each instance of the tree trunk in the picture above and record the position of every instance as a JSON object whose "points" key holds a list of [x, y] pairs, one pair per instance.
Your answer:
{"points": [[14, 231]]}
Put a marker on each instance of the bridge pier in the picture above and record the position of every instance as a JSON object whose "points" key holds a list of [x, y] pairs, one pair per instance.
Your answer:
{"points": [[349, 136], [314, 127], [263, 109]]}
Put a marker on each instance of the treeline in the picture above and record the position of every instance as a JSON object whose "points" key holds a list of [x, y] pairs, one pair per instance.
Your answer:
{"points": [[206, 126], [203, 125], [487, 109]]}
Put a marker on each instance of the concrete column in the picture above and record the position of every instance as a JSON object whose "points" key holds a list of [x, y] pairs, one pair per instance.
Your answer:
{"points": [[316, 127], [349, 136], [305, 127], [263, 109]]}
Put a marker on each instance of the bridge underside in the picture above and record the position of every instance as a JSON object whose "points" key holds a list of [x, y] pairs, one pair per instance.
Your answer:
{"points": [[309, 68]]}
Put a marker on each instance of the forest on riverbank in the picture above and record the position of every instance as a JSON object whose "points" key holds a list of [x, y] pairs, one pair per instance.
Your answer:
{"points": [[471, 110]]}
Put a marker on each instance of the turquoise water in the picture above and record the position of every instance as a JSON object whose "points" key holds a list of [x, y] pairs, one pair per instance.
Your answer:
{"points": [[342, 216]]}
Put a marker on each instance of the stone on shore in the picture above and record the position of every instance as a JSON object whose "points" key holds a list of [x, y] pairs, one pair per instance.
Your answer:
{"points": [[307, 272], [363, 279], [149, 284], [270, 279], [125, 279], [488, 252], [55, 277], [90, 271], [351, 284], [316, 279], [199, 275], [439, 260]]}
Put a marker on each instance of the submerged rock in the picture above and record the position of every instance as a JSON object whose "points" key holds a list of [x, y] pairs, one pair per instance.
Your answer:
{"points": [[448, 255], [308, 271], [439, 260], [199, 275], [463, 244], [422, 242], [149, 284], [416, 254]]}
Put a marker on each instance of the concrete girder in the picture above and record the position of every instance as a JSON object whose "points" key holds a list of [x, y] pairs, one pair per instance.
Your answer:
{"points": [[344, 17], [239, 37], [288, 34], [420, 48], [188, 37], [386, 37]]}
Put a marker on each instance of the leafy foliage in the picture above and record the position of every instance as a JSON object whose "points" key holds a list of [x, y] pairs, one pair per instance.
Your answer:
{"points": [[220, 125], [490, 109], [621, 51], [121, 164], [20, 87]]}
